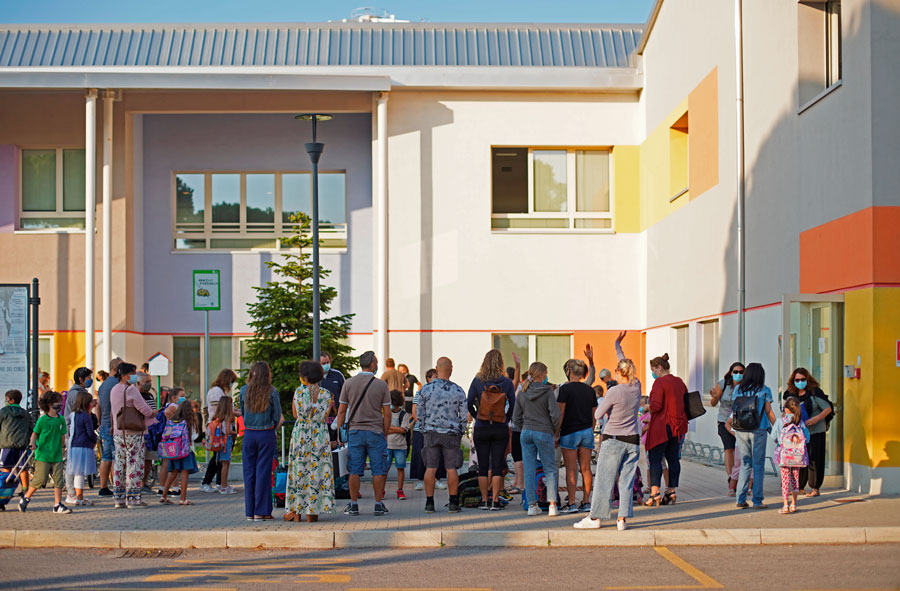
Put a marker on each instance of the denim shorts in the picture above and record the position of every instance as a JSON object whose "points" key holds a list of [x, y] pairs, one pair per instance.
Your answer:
{"points": [[583, 438], [367, 443], [398, 457], [225, 454], [108, 445]]}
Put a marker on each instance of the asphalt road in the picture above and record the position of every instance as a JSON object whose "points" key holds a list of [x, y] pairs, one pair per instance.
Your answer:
{"points": [[750, 568]]}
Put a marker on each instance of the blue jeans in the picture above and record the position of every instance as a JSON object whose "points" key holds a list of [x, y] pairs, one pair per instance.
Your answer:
{"points": [[751, 445], [534, 444], [615, 458], [367, 443], [108, 446], [259, 450]]}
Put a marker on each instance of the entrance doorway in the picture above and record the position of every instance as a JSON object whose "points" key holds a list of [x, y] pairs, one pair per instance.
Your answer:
{"points": [[812, 336]]}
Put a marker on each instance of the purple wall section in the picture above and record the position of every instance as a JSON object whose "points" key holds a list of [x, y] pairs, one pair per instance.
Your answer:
{"points": [[256, 143], [9, 188]]}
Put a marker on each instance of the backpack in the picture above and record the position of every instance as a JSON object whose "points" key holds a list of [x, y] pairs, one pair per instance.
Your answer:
{"points": [[217, 438], [342, 487], [791, 449], [808, 403], [492, 407], [155, 431], [746, 413], [175, 442]]}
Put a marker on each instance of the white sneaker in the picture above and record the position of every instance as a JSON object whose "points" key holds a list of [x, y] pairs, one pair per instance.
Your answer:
{"points": [[420, 485], [534, 509], [587, 523], [227, 490], [440, 485], [206, 488], [621, 525], [71, 501], [554, 512]]}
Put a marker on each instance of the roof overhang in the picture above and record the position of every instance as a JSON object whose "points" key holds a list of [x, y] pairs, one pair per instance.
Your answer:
{"points": [[325, 78]]}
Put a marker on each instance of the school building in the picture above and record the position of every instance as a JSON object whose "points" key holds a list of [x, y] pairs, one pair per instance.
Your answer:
{"points": [[720, 181]]}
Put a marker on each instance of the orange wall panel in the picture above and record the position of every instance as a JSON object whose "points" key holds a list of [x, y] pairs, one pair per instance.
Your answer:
{"points": [[857, 249], [703, 137], [603, 342]]}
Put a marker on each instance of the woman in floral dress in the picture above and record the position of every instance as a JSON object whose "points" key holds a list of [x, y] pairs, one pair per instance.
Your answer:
{"points": [[310, 485]]}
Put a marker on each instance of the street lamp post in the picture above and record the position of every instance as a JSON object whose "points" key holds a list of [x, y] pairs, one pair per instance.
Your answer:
{"points": [[314, 149]]}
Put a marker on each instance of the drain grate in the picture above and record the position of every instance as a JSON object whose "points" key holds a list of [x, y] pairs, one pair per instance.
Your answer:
{"points": [[137, 553], [841, 501]]}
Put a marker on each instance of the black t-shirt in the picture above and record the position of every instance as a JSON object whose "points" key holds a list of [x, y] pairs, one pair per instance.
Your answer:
{"points": [[580, 403], [411, 382]]}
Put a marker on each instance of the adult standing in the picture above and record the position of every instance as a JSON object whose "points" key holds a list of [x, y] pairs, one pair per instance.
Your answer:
{"points": [[417, 459], [107, 444], [332, 381], [395, 380], [722, 395], [751, 444], [538, 415], [261, 408], [83, 380], [310, 485], [668, 424], [576, 434], [442, 411], [220, 388], [619, 449], [128, 474], [412, 386], [491, 401], [814, 410], [368, 401]]}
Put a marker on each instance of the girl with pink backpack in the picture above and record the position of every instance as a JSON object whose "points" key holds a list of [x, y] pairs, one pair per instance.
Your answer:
{"points": [[790, 453], [175, 446]]}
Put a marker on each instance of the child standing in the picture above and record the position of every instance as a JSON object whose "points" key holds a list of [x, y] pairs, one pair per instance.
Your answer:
{"points": [[396, 439], [15, 434], [222, 425], [187, 465], [82, 461], [48, 442], [791, 453]]}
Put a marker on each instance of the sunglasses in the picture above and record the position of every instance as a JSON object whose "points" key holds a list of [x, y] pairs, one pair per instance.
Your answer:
{"points": [[737, 372], [798, 380]]}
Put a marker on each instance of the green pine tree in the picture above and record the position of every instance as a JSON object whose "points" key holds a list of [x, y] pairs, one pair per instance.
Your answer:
{"points": [[283, 317]]}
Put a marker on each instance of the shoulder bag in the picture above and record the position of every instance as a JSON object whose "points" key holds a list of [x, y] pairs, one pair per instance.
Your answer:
{"points": [[344, 432], [129, 418]]}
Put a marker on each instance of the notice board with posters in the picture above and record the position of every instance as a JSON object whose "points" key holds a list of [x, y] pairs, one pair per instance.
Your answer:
{"points": [[207, 290], [14, 338]]}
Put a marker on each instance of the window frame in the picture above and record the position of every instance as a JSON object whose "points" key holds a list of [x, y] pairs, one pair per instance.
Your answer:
{"points": [[532, 346], [59, 212], [832, 48], [280, 231], [571, 214]]}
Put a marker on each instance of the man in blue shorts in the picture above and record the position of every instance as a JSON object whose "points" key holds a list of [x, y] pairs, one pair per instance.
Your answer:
{"points": [[108, 447]]}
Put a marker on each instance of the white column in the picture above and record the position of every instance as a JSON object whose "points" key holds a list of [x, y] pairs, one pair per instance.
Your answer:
{"points": [[90, 168], [106, 286], [381, 231]]}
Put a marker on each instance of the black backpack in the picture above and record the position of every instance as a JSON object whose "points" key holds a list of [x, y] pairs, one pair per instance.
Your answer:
{"points": [[746, 413], [808, 403]]}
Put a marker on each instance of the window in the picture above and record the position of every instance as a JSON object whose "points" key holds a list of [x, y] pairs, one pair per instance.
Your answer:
{"points": [[678, 158], [552, 350], [819, 48], [45, 355], [52, 189], [682, 367], [186, 365], [550, 189], [252, 211], [710, 355], [219, 356]]}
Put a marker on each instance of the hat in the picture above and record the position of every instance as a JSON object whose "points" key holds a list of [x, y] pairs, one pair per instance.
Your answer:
{"points": [[604, 373]]}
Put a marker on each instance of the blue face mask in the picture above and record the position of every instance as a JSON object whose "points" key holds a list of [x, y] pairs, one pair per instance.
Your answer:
{"points": [[801, 384], [545, 380], [653, 375], [133, 379], [88, 383], [326, 367], [737, 377]]}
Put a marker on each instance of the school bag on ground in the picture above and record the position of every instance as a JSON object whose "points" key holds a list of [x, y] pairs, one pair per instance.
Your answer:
{"points": [[492, 407], [279, 484], [746, 413], [791, 449], [217, 437], [175, 442], [342, 487]]}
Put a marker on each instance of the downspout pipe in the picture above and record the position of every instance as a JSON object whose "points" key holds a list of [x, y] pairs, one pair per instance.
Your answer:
{"points": [[739, 106]]}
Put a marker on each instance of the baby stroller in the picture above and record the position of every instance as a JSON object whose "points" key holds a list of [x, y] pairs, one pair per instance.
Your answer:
{"points": [[9, 481]]}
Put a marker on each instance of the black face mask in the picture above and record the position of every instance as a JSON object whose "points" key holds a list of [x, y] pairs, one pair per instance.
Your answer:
{"points": [[145, 387]]}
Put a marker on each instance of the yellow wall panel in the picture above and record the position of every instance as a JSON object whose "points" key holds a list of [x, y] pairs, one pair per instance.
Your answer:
{"points": [[68, 355], [885, 433], [627, 179], [655, 173]]}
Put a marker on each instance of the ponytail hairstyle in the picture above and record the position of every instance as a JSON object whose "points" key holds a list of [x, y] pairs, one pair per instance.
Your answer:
{"points": [[662, 362], [627, 370], [793, 404], [535, 371]]}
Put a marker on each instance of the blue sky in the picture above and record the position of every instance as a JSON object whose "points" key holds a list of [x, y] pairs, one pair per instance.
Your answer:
{"points": [[194, 11]]}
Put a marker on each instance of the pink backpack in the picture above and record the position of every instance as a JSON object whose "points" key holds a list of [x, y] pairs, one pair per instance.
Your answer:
{"points": [[175, 442], [791, 449]]}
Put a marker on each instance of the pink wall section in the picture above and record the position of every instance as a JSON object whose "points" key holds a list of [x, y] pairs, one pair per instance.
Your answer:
{"points": [[9, 185]]}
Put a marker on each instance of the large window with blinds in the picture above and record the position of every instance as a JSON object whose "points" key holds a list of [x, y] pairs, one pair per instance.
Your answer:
{"points": [[52, 189], [255, 210]]}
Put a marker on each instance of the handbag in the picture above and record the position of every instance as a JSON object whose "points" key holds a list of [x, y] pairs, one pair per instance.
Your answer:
{"points": [[693, 405], [129, 418], [344, 431]]}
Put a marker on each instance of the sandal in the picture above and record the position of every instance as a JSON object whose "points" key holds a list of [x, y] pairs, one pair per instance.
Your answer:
{"points": [[185, 502], [654, 500], [291, 516], [165, 502], [784, 511], [669, 498], [812, 493], [514, 490], [792, 508]]}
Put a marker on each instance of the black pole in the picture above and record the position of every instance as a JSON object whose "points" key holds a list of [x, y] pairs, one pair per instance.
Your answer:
{"points": [[35, 304], [314, 149]]}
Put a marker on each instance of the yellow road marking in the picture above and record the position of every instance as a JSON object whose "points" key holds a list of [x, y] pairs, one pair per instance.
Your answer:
{"points": [[698, 575]]}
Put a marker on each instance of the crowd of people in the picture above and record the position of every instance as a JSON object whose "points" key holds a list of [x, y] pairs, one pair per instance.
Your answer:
{"points": [[393, 419]]}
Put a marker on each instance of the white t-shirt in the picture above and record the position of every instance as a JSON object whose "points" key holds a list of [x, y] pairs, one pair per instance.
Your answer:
{"points": [[212, 399]]}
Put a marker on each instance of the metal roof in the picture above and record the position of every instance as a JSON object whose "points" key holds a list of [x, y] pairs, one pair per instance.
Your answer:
{"points": [[327, 44]]}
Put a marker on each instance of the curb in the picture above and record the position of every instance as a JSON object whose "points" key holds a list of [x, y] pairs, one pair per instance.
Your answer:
{"points": [[557, 538]]}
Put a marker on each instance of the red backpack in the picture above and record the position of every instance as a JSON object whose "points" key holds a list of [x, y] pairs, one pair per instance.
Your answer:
{"points": [[217, 437]]}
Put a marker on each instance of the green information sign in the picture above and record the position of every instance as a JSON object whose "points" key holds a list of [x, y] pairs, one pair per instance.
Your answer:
{"points": [[207, 290]]}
